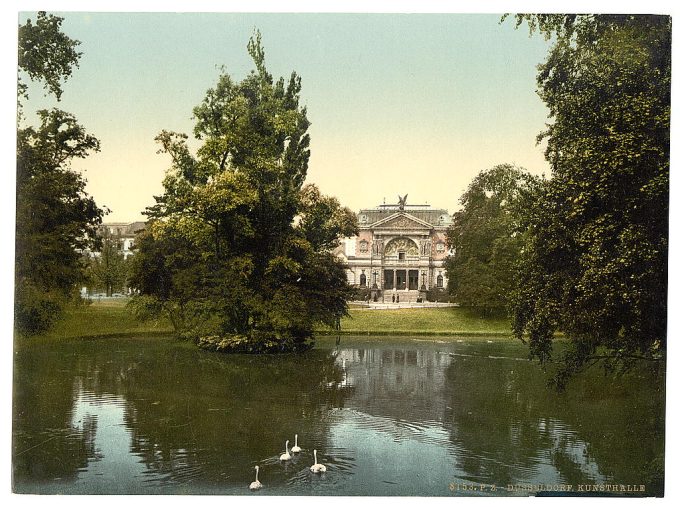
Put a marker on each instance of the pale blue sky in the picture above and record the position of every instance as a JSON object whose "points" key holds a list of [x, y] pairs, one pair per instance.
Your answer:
{"points": [[416, 103]]}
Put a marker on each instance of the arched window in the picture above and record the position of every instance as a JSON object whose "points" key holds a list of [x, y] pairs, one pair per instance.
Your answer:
{"points": [[362, 280], [440, 281]]}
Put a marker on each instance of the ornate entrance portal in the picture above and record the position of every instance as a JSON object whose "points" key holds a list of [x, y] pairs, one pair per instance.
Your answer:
{"points": [[404, 246]]}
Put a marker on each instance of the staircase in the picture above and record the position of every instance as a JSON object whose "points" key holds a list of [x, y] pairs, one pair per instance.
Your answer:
{"points": [[405, 296]]}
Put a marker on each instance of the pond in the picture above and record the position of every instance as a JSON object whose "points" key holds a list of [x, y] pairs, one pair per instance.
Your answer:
{"points": [[388, 416]]}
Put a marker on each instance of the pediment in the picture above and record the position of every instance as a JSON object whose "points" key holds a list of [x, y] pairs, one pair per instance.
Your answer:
{"points": [[401, 221]]}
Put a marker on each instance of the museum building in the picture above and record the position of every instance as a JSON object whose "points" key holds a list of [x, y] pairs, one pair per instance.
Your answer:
{"points": [[400, 251]]}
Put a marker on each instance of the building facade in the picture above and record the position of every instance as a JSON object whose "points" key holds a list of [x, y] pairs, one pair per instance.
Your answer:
{"points": [[399, 253], [123, 233]]}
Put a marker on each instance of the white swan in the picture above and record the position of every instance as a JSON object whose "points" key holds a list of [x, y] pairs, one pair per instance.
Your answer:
{"points": [[295, 448], [255, 484], [286, 455], [317, 467]]}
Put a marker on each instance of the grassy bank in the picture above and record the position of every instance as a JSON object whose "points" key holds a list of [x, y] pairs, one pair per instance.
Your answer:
{"points": [[108, 318], [102, 318], [420, 321]]}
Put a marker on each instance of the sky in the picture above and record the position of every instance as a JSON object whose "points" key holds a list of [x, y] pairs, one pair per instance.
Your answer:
{"points": [[399, 103]]}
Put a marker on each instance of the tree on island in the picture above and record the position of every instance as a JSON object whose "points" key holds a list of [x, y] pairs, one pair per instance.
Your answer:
{"points": [[595, 264], [238, 253], [55, 218], [487, 236]]}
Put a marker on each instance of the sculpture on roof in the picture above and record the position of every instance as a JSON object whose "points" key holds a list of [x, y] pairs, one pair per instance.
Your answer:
{"points": [[402, 201]]}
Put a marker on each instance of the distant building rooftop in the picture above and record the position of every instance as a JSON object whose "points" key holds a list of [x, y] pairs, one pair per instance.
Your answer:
{"points": [[124, 228], [425, 212]]}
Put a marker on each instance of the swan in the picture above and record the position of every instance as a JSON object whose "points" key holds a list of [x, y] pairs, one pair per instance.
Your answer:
{"points": [[295, 448], [317, 467], [286, 455], [255, 484]]}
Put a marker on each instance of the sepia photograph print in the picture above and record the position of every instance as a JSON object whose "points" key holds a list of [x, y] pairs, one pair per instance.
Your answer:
{"points": [[298, 253]]}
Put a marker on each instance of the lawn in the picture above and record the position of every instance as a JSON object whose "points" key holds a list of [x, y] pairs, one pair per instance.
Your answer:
{"points": [[435, 321], [111, 318], [103, 318]]}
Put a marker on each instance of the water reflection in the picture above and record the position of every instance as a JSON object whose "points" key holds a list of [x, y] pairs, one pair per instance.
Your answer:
{"points": [[158, 416]]}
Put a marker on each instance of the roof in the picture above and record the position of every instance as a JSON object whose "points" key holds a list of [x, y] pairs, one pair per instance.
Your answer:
{"points": [[424, 212], [126, 228]]}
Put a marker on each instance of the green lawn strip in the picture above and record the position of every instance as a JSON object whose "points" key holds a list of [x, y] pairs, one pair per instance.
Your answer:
{"points": [[105, 318], [420, 321], [110, 318]]}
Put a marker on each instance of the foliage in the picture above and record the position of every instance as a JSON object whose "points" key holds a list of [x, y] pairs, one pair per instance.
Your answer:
{"points": [[435, 294], [238, 252], [164, 269], [596, 262], [361, 293], [487, 236], [107, 271], [55, 218], [46, 53], [322, 220]]}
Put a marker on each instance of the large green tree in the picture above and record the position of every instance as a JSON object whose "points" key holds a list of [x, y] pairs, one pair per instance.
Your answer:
{"points": [[55, 218], [487, 236], [241, 249], [595, 266]]}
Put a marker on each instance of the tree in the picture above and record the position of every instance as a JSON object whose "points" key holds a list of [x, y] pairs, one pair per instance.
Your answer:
{"points": [[108, 269], [167, 271], [487, 236], [46, 53], [242, 250], [55, 218], [595, 265]]}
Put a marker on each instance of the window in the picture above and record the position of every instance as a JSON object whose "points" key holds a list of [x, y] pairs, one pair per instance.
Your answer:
{"points": [[362, 280], [440, 247], [402, 256], [363, 219], [440, 282], [363, 246]]}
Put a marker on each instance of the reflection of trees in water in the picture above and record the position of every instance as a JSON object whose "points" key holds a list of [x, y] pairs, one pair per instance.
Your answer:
{"points": [[227, 412], [492, 421], [46, 446], [208, 417], [623, 421], [505, 421], [188, 411]]}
